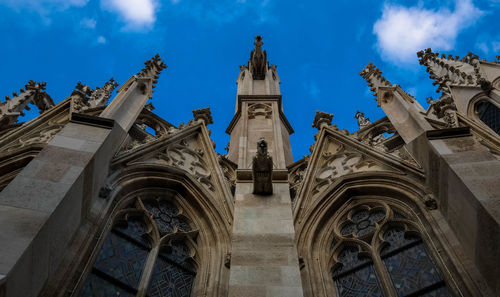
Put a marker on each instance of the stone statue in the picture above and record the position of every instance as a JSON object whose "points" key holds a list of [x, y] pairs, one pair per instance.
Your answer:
{"points": [[362, 121], [258, 60], [262, 170]]}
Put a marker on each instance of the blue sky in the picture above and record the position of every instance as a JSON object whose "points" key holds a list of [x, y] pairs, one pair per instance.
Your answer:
{"points": [[319, 47]]}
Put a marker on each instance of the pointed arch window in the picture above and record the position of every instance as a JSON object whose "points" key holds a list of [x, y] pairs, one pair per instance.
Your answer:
{"points": [[377, 251], [489, 114], [150, 248]]}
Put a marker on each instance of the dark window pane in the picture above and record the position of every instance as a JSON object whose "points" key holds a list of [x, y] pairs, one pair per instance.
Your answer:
{"points": [[360, 283], [356, 277], [410, 267], [98, 287], [170, 280], [411, 270], [440, 292], [490, 115], [121, 260], [118, 268]]}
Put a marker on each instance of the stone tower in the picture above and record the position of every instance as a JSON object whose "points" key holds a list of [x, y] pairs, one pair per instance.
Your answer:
{"points": [[108, 199], [264, 259]]}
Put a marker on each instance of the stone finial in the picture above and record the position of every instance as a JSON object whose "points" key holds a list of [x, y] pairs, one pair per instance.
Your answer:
{"points": [[100, 96], [204, 115], [262, 170], [362, 121], [322, 119], [445, 108], [32, 93], [153, 68], [449, 70], [374, 78], [258, 60]]}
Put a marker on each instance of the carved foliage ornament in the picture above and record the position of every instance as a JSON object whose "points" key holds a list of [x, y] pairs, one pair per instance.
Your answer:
{"points": [[259, 110], [192, 161], [341, 162], [445, 108]]}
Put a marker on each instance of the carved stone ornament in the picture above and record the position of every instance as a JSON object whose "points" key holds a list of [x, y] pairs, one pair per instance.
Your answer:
{"points": [[259, 110], [258, 60], [262, 170], [204, 115], [362, 121], [430, 202], [322, 119], [385, 95], [445, 108]]}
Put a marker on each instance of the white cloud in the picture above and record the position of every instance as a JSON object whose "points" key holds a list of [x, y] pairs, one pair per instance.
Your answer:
{"points": [[88, 23], [402, 31], [101, 40], [137, 14]]}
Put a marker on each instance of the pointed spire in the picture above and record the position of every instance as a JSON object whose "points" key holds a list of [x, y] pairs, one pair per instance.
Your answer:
{"points": [[101, 95], [258, 60], [153, 68], [374, 77], [322, 119], [204, 115], [449, 70], [33, 93]]}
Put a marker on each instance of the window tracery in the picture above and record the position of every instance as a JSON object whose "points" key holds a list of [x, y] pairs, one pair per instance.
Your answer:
{"points": [[378, 251], [489, 114], [150, 246]]}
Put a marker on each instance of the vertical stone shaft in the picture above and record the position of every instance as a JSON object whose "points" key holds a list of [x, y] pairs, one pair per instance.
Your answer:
{"points": [[41, 209], [264, 260]]}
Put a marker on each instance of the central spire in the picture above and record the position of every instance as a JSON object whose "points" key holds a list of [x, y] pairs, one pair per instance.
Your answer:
{"points": [[258, 77], [258, 60]]}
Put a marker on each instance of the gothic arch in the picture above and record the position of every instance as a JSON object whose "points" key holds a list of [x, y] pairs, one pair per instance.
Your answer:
{"points": [[472, 110], [317, 231], [212, 244]]}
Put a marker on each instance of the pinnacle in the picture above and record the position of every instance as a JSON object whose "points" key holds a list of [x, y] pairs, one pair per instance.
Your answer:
{"points": [[374, 77], [152, 68], [450, 70]]}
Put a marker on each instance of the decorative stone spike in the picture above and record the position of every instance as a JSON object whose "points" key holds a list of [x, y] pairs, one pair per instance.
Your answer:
{"points": [[322, 119], [374, 77], [204, 115]]}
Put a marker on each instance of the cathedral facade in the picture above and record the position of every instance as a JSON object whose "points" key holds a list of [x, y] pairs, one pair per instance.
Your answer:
{"points": [[106, 198]]}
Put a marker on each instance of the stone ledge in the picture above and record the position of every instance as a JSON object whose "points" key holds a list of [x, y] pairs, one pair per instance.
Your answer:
{"points": [[245, 175], [448, 133], [85, 119]]}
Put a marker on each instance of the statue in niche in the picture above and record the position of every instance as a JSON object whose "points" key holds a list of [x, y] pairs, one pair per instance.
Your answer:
{"points": [[262, 170]]}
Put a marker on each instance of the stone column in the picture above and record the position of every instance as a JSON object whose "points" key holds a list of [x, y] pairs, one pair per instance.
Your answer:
{"points": [[264, 260], [41, 209]]}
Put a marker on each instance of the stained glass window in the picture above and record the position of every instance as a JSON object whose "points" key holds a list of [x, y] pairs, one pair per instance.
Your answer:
{"points": [[173, 276], [119, 266], [489, 114], [356, 275], [120, 262], [363, 222], [166, 216], [405, 266], [410, 267]]}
